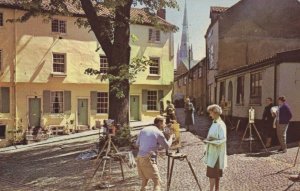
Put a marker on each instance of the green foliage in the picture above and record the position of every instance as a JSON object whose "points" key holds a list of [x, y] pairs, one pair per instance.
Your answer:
{"points": [[125, 72], [123, 137]]}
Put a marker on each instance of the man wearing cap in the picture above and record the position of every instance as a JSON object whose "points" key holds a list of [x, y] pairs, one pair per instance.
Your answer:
{"points": [[148, 143]]}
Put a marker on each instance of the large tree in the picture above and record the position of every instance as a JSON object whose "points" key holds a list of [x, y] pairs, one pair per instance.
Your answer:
{"points": [[110, 21]]}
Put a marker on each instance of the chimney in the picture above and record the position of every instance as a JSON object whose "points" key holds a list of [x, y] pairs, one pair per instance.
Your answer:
{"points": [[161, 13]]}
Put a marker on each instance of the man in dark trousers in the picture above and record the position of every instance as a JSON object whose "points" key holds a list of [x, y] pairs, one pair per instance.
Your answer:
{"points": [[268, 120]]}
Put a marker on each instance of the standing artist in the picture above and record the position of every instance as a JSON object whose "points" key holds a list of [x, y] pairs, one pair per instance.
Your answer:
{"points": [[148, 141], [216, 155], [268, 122]]}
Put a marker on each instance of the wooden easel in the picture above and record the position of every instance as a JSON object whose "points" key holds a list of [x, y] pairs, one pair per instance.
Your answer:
{"points": [[180, 157], [250, 126]]}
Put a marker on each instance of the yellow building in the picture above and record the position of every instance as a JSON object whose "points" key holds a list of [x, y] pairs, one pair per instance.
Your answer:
{"points": [[42, 76]]}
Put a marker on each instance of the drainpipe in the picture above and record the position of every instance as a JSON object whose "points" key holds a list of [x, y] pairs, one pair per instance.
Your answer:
{"points": [[14, 97]]}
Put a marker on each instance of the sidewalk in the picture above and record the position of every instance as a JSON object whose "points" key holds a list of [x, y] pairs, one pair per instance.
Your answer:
{"points": [[136, 125]]}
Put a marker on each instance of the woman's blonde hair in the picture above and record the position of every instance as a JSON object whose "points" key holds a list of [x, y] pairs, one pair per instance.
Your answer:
{"points": [[215, 108]]}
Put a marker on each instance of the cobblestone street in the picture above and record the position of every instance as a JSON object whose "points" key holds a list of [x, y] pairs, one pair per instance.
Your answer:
{"points": [[54, 167]]}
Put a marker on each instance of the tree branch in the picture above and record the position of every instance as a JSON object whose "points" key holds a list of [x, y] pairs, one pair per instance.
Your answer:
{"points": [[99, 24]]}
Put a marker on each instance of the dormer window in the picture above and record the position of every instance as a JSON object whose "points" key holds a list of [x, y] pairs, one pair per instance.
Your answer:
{"points": [[59, 26]]}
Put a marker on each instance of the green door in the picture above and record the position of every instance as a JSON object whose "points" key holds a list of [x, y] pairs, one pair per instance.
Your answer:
{"points": [[134, 108], [34, 112], [82, 111]]}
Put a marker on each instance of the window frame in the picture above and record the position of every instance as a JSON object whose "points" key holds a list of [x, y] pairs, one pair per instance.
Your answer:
{"points": [[156, 101], [104, 68], [102, 110], [256, 88], [240, 90], [211, 57], [222, 90], [157, 67], [153, 35], [58, 27], [65, 63], [62, 102]]}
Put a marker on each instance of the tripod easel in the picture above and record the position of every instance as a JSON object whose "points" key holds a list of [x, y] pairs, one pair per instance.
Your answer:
{"points": [[295, 161], [181, 157], [250, 126], [107, 157]]}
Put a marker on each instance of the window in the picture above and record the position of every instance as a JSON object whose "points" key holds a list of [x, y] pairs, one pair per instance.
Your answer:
{"points": [[58, 26], [184, 80], [102, 102], [195, 75], [1, 19], [154, 35], [255, 88], [57, 101], [211, 56], [103, 65], [59, 62], [199, 72], [1, 62], [222, 91], [154, 66], [152, 100], [240, 90]]}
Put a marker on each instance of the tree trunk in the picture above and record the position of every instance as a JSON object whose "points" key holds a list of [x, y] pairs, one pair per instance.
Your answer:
{"points": [[119, 107]]}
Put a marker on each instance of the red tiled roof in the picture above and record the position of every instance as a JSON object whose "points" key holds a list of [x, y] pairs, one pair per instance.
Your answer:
{"points": [[138, 16], [218, 9]]}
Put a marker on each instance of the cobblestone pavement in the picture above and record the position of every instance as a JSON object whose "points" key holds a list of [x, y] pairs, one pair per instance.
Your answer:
{"points": [[54, 167]]}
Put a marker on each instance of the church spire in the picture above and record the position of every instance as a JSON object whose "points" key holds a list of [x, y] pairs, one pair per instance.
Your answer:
{"points": [[184, 45]]}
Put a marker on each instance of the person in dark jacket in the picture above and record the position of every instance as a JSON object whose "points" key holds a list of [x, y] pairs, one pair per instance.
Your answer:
{"points": [[268, 120], [283, 117]]}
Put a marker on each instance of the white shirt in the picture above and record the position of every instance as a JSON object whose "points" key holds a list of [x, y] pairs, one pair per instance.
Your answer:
{"points": [[216, 148]]}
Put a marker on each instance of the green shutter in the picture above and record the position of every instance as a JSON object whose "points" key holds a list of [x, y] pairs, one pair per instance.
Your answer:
{"points": [[93, 102], [46, 101], [160, 96], [144, 100], [67, 102], [5, 100]]}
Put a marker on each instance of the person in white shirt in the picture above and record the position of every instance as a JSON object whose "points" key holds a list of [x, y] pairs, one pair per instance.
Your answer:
{"points": [[216, 155]]}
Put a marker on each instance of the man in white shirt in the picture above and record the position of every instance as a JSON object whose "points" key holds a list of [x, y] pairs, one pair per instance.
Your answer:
{"points": [[148, 142]]}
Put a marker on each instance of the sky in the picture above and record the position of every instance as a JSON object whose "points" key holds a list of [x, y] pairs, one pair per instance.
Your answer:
{"points": [[198, 19]]}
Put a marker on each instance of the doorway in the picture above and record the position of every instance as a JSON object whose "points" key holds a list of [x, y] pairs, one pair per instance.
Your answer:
{"points": [[134, 108], [82, 109], [34, 112]]}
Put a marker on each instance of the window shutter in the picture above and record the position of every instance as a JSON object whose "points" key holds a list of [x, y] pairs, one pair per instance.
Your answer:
{"points": [[160, 96], [67, 102], [5, 100], [46, 101], [144, 100], [93, 102]]}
